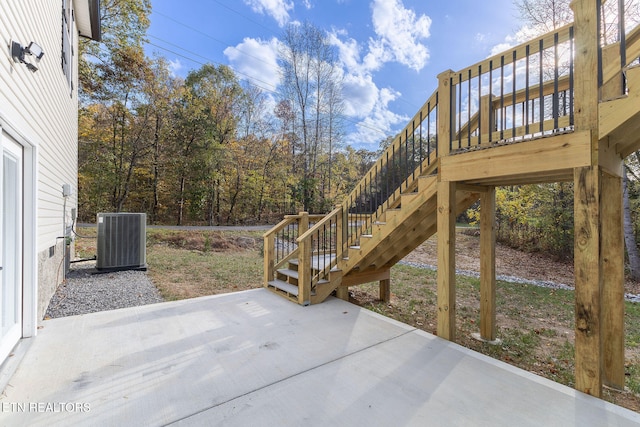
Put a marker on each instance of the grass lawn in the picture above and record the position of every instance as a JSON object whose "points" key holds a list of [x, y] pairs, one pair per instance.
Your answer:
{"points": [[535, 325]]}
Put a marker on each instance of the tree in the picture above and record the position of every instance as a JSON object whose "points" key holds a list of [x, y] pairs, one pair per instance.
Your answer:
{"points": [[111, 73], [124, 24], [544, 15], [311, 89], [208, 120]]}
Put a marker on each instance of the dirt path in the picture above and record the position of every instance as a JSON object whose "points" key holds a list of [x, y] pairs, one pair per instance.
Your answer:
{"points": [[509, 262]]}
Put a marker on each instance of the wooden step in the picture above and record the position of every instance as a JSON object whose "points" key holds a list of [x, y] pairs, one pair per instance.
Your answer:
{"points": [[288, 288], [289, 273], [284, 287], [425, 182], [317, 261], [294, 275]]}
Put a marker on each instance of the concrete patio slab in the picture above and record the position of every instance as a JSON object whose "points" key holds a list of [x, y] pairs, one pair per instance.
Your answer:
{"points": [[254, 359]]}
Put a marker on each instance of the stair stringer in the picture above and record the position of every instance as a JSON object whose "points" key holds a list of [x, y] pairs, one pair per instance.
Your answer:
{"points": [[463, 202], [404, 229], [402, 242], [619, 119], [418, 202], [323, 290]]}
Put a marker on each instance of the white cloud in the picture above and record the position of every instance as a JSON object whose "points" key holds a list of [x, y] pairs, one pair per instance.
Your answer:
{"points": [[277, 9], [398, 38], [522, 35], [348, 50], [400, 31], [175, 66], [378, 123], [256, 60], [360, 95]]}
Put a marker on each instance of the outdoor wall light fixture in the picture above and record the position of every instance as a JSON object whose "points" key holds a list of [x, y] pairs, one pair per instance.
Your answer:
{"points": [[18, 53]]}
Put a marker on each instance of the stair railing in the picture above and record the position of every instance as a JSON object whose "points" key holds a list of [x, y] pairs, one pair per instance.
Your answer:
{"points": [[411, 154], [319, 252], [280, 242]]}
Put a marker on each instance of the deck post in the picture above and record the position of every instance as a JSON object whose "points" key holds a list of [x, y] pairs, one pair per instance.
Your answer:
{"points": [[598, 264], [269, 258], [385, 290], [612, 250], [304, 262], [342, 292], [340, 235], [445, 115], [588, 281], [488, 265], [303, 223], [446, 216], [486, 114], [446, 222]]}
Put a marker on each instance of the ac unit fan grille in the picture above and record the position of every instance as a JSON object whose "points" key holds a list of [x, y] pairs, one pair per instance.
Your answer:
{"points": [[121, 241]]}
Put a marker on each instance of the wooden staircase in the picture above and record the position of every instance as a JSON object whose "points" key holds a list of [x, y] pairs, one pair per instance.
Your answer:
{"points": [[518, 130], [560, 107]]}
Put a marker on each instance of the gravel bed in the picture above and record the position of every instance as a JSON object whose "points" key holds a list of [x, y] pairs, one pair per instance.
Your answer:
{"points": [[512, 279], [86, 292]]}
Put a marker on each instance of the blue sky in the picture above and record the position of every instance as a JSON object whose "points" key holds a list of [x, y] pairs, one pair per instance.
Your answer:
{"points": [[390, 50]]}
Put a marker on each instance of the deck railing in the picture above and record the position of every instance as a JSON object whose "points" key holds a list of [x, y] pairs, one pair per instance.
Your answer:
{"points": [[522, 93]]}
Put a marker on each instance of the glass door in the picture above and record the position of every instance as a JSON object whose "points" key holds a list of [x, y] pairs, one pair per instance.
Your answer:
{"points": [[11, 245]]}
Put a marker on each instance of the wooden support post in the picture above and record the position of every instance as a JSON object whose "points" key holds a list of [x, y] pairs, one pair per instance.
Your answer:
{"points": [[612, 264], [342, 292], [341, 227], [613, 88], [304, 262], [269, 258], [597, 311], [304, 273], [445, 115], [303, 223], [446, 260], [385, 290], [588, 280], [488, 265]]}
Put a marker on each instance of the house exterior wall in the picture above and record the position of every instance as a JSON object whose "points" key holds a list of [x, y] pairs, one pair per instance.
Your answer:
{"points": [[39, 110]]}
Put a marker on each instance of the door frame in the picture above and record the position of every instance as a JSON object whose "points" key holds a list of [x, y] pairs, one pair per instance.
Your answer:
{"points": [[12, 256], [29, 225]]}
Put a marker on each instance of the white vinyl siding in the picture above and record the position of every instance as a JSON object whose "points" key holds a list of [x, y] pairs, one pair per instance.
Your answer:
{"points": [[38, 105]]}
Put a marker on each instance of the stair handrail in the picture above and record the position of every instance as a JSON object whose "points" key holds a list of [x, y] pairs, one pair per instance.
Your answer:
{"points": [[322, 240], [411, 162], [276, 256]]}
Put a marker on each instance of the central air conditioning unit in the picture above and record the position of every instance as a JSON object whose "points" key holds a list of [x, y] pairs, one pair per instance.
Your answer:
{"points": [[122, 241]]}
